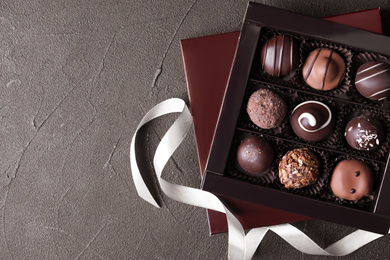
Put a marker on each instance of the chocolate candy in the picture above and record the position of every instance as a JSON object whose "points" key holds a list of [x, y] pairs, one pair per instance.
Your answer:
{"points": [[280, 55], [255, 154], [298, 168], [312, 121], [373, 80], [323, 69], [351, 180], [266, 109], [364, 133]]}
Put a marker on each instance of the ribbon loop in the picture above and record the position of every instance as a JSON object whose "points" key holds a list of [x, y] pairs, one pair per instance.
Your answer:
{"points": [[168, 144], [173, 105], [240, 246]]}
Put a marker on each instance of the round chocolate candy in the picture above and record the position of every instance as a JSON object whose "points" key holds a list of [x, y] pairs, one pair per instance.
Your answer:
{"points": [[364, 133], [280, 55], [312, 121], [351, 180], [373, 80], [255, 154], [266, 109], [298, 168], [323, 69]]}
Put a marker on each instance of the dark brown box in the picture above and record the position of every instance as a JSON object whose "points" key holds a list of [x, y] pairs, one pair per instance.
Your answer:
{"points": [[204, 58], [259, 18]]}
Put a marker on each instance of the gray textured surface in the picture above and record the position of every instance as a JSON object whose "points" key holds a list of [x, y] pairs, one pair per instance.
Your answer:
{"points": [[76, 77]]}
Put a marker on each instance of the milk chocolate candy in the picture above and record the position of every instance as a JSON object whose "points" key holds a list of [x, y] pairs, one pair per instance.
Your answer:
{"points": [[351, 180], [324, 69]]}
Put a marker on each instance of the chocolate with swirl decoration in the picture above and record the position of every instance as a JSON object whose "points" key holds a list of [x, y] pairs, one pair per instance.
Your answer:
{"points": [[324, 69], [373, 80], [280, 55], [312, 121]]}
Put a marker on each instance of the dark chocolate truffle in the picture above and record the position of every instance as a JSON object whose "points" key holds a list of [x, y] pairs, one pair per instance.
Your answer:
{"points": [[312, 121], [255, 154], [266, 109], [323, 69], [364, 133], [351, 180], [373, 80], [280, 55], [298, 168]]}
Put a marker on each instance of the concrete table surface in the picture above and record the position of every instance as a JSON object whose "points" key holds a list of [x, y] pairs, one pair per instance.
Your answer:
{"points": [[76, 77]]}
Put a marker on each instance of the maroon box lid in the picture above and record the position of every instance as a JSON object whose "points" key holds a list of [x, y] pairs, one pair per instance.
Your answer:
{"points": [[207, 62], [262, 16], [205, 57], [369, 20]]}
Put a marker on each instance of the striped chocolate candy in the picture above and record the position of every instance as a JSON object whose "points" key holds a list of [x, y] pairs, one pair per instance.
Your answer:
{"points": [[280, 55], [324, 69], [373, 80]]}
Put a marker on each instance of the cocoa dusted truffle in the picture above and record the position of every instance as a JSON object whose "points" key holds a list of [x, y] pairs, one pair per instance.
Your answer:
{"points": [[280, 55], [364, 133], [298, 168], [323, 69], [373, 80], [351, 180], [266, 109], [312, 121], [255, 154]]}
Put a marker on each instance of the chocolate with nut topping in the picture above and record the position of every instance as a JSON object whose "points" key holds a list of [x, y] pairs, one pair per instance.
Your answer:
{"points": [[298, 168]]}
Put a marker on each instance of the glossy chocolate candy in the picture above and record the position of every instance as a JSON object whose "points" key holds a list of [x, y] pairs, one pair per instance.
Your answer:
{"points": [[255, 154], [373, 80], [280, 55]]}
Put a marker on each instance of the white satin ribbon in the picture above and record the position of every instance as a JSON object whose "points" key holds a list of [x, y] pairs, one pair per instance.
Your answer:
{"points": [[240, 246]]}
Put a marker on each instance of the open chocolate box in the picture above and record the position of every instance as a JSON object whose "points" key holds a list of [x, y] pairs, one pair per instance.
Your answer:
{"points": [[224, 175]]}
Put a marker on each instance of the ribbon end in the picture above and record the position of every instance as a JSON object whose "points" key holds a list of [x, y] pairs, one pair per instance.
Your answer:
{"points": [[148, 197], [154, 203]]}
